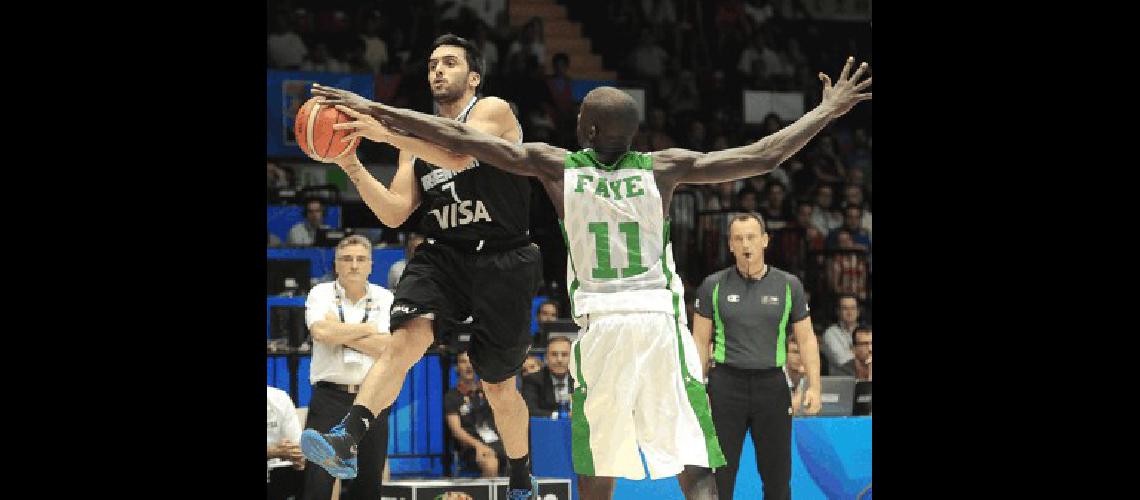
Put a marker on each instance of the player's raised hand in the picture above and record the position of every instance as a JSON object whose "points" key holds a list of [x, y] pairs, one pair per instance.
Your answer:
{"points": [[845, 93], [334, 96]]}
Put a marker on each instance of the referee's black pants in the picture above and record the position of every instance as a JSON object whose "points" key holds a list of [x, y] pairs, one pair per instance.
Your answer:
{"points": [[326, 409], [755, 400]]}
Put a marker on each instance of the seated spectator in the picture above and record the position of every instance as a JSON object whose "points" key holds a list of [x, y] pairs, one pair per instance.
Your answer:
{"points": [[847, 271], [304, 233], [469, 418], [531, 365], [796, 374], [548, 391], [824, 217], [284, 460], [375, 48], [837, 339], [286, 49], [653, 137], [275, 176], [647, 60], [397, 269], [547, 312], [776, 208], [274, 241], [530, 43], [746, 200], [861, 348], [813, 234], [853, 197], [853, 221], [828, 166]]}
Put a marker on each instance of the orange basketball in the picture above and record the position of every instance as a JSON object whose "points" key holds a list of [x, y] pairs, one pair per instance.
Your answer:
{"points": [[315, 135]]}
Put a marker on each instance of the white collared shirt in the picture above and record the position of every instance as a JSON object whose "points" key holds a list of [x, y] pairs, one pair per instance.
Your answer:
{"points": [[329, 359], [281, 423]]}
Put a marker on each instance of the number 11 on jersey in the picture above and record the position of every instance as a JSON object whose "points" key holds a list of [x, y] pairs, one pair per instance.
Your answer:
{"points": [[601, 232]]}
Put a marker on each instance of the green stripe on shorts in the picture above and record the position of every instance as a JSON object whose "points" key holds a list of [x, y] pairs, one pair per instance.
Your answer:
{"points": [[580, 427], [698, 399]]}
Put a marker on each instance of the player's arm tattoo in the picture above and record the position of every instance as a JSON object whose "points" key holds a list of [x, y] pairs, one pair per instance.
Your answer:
{"points": [[532, 159]]}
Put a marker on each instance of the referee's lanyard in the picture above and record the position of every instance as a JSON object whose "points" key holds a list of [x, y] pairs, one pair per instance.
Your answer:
{"points": [[340, 306]]}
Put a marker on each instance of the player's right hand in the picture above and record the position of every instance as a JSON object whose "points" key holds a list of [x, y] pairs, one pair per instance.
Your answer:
{"points": [[364, 126]]}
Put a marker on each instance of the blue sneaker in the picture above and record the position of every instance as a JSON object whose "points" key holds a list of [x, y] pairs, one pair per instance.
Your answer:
{"points": [[522, 494], [335, 452]]}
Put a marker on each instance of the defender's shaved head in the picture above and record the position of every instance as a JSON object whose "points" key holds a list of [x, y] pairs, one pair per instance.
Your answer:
{"points": [[608, 120]]}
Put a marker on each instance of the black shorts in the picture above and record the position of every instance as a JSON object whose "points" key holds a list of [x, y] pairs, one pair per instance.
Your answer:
{"points": [[494, 288]]}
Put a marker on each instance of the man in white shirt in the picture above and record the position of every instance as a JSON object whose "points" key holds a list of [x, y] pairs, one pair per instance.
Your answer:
{"points": [[348, 319], [283, 458], [304, 233], [837, 339]]}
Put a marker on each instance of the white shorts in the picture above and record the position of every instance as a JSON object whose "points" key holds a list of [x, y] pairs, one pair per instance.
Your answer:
{"points": [[634, 389]]}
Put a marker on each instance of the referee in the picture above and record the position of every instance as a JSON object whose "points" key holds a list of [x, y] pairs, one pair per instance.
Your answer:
{"points": [[349, 322], [745, 312]]}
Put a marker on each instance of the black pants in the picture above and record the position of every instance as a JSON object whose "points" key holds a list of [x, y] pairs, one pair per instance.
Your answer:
{"points": [[284, 482], [326, 409], [756, 400]]}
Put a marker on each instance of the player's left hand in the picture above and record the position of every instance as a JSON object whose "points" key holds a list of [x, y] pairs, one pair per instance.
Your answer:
{"points": [[334, 97], [845, 94], [812, 401], [364, 126]]}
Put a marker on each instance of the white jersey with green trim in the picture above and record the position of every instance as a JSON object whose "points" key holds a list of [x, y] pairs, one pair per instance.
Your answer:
{"points": [[617, 237]]}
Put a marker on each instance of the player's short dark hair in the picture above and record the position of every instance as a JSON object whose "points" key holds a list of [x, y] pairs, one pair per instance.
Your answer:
{"points": [[614, 112], [474, 55], [750, 215]]}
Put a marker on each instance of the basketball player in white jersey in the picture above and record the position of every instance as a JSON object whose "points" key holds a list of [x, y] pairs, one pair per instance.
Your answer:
{"points": [[637, 367]]}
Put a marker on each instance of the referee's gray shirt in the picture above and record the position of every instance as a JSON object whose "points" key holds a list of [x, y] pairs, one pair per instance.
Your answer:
{"points": [[751, 317]]}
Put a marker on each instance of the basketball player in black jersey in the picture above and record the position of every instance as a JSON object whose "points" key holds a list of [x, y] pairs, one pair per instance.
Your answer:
{"points": [[477, 266]]}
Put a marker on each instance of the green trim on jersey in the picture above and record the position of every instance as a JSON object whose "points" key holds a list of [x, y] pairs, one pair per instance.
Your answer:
{"points": [[580, 451], [574, 285], [781, 347], [629, 160], [718, 342]]}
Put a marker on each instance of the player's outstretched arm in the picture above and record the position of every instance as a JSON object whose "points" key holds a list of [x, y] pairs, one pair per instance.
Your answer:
{"points": [[534, 159], [367, 127], [766, 154]]}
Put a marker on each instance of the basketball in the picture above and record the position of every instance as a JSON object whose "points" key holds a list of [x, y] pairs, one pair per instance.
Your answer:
{"points": [[315, 135]]}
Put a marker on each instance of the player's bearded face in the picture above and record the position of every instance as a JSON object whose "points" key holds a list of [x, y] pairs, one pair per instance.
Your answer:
{"points": [[448, 74]]}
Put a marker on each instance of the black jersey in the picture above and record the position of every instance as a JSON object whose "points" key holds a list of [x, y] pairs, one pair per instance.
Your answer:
{"points": [[479, 203]]}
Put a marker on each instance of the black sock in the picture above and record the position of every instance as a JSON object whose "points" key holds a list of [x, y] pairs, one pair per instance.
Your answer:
{"points": [[358, 421], [520, 472]]}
